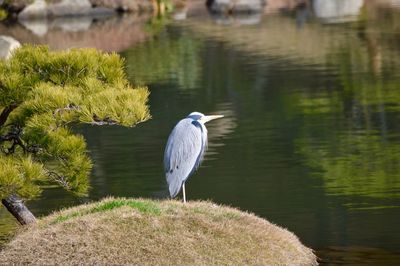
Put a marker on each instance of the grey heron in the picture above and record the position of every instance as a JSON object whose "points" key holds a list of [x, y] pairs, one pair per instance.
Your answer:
{"points": [[185, 150]]}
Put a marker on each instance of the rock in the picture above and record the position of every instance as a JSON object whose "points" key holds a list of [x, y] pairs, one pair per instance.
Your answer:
{"points": [[235, 6], [66, 8], [36, 10], [7, 45], [101, 11], [56, 8], [124, 5], [15, 6], [70, 8]]}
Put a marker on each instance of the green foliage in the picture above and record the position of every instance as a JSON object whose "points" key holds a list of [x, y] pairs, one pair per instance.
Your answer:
{"points": [[3, 14], [42, 93], [17, 175]]}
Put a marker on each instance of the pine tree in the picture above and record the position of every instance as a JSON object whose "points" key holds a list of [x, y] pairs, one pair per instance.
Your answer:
{"points": [[42, 94]]}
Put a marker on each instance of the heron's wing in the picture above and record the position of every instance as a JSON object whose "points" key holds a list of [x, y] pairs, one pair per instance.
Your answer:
{"points": [[185, 148]]}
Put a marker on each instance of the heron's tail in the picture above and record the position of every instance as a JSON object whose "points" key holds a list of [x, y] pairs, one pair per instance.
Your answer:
{"points": [[174, 187]]}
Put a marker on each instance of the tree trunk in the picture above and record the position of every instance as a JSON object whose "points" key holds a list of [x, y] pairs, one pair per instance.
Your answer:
{"points": [[16, 206]]}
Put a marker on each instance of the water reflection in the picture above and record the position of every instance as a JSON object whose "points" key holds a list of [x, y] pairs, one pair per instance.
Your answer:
{"points": [[108, 33], [237, 19], [220, 129], [164, 59], [356, 255], [8, 226], [334, 11], [67, 24]]}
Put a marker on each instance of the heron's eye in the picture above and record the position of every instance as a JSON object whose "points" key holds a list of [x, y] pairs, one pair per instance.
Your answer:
{"points": [[177, 167]]}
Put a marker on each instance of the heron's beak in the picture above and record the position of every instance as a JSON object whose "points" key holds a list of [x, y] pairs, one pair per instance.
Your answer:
{"points": [[208, 118]]}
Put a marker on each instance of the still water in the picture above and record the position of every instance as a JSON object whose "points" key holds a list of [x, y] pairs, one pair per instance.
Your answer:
{"points": [[311, 134]]}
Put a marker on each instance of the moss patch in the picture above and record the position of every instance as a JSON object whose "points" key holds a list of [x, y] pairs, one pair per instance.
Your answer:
{"points": [[144, 232], [141, 206]]}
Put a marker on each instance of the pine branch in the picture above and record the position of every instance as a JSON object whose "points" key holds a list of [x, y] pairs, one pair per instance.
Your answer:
{"points": [[17, 141], [13, 136], [69, 107], [6, 112], [101, 122], [61, 180]]}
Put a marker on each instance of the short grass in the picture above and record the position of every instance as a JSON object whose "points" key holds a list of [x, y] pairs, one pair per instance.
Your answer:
{"points": [[118, 231], [141, 206]]}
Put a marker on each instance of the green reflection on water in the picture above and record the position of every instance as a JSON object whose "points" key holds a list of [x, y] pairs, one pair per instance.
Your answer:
{"points": [[358, 150], [163, 59], [354, 164], [8, 226]]}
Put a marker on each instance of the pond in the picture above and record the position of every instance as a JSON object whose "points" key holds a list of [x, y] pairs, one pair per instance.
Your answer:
{"points": [[311, 134]]}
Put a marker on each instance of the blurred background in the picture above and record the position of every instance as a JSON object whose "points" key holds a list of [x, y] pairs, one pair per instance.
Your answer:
{"points": [[310, 90]]}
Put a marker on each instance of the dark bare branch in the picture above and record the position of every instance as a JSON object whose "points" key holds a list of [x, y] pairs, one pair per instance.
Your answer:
{"points": [[61, 180], [6, 112], [13, 136], [100, 122], [69, 107]]}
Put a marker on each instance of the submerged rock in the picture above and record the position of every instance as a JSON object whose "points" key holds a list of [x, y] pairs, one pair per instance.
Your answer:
{"points": [[7, 45]]}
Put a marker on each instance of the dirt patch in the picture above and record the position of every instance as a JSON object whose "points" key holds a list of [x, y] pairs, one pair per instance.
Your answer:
{"points": [[143, 232]]}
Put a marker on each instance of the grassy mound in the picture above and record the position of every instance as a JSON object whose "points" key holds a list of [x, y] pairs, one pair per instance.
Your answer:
{"points": [[118, 231]]}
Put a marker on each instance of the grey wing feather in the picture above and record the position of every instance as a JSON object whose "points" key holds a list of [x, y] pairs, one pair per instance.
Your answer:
{"points": [[184, 148]]}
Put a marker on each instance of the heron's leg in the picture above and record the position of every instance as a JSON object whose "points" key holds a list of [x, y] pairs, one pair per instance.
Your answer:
{"points": [[184, 193]]}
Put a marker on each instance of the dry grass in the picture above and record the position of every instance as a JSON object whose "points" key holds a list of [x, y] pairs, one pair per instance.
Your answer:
{"points": [[143, 232]]}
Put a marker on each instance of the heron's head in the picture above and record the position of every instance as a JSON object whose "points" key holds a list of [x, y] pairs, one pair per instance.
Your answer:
{"points": [[203, 118]]}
